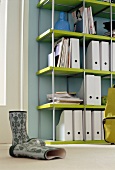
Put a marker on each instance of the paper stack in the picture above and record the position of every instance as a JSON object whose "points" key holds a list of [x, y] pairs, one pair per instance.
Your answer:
{"points": [[63, 98]]}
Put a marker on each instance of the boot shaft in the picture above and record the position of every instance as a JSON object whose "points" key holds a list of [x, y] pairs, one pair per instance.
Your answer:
{"points": [[18, 126]]}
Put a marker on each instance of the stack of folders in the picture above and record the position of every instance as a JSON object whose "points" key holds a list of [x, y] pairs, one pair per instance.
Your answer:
{"points": [[83, 20], [93, 125], [63, 97], [92, 90], [71, 126], [67, 53], [97, 55]]}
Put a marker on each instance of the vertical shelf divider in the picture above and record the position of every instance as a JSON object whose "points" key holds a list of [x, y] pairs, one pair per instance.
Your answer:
{"points": [[84, 83], [53, 81]]}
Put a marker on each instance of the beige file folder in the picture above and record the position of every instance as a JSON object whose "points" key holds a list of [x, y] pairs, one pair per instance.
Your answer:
{"points": [[64, 129]]}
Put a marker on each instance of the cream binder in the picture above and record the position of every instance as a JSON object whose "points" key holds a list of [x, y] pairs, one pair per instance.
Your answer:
{"points": [[102, 131], [93, 56], [88, 131], [64, 130], [97, 90], [89, 91], [113, 56], [104, 55], [74, 53], [77, 125], [96, 125], [90, 83]]}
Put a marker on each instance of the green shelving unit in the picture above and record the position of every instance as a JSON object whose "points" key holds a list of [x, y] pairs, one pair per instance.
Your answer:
{"points": [[100, 9]]}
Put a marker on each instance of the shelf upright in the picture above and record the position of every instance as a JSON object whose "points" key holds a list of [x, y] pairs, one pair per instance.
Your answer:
{"points": [[53, 82], [84, 79], [39, 112]]}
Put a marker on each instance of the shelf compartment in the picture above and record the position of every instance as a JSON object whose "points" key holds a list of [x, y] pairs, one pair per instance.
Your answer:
{"points": [[59, 71], [47, 36], [69, 106], [49, 142]]}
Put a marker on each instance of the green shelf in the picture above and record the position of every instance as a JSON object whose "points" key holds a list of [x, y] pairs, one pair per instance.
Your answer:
{"points": [[69, 106], [95, 107], [59, 71], [60, 106], [71, 71], [47, 36], [97, 72], [49, 142]]}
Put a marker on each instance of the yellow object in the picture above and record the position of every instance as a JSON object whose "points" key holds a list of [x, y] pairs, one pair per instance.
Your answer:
{"points": [[110, 106], [109, 120]]}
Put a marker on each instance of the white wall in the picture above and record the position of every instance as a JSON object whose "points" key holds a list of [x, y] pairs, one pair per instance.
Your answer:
{"points": [[3, 32], [13, 67]]}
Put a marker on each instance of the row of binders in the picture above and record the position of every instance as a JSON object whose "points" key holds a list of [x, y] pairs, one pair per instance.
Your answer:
{"points": [[91, 94], [71, 125], [98, 56], [67, 54]]}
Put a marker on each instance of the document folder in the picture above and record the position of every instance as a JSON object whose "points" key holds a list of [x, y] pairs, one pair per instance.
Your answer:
{"points": [[64, 130], [93, 56], [74, 53], [113, 56], [104, 55], [77, 125], [88, 131], [90, 83], [96, 125], [102, 130], [97, 90]]}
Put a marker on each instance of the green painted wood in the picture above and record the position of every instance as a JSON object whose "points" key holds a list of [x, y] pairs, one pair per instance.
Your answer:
{"points": [[69, 106], [94, 106], [59, 71], [47, 36], [97, 72], [69, 71], [60, 106], [76, 142]]}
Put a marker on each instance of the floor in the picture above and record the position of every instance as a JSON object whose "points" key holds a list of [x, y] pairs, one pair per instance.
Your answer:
{"points": [[78, 157]]}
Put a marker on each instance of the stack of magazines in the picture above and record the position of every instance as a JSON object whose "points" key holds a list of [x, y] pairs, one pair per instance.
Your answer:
{"points": [[64, 97]]}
